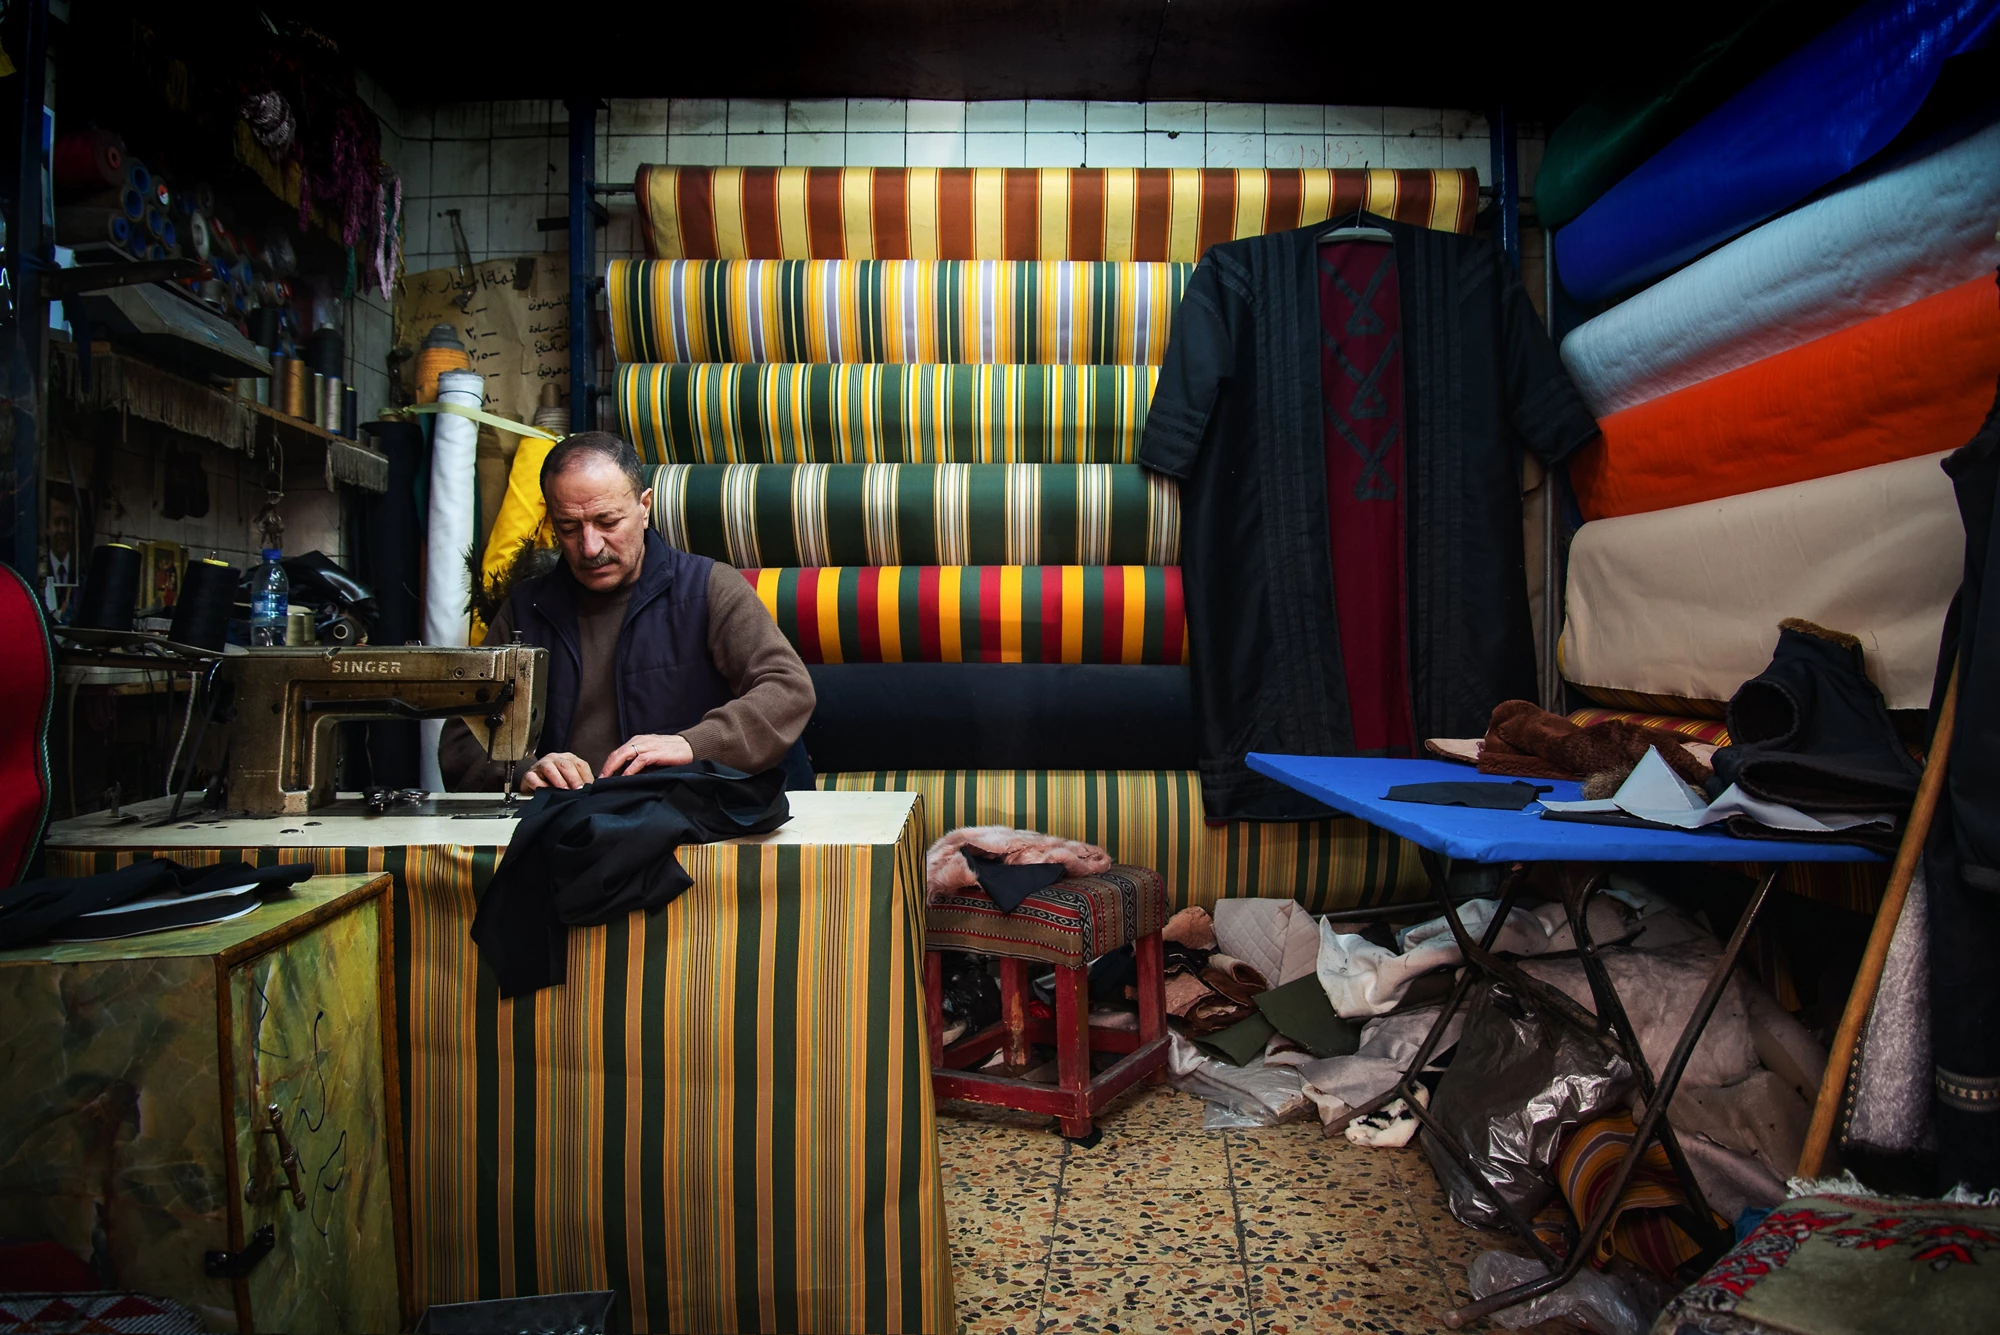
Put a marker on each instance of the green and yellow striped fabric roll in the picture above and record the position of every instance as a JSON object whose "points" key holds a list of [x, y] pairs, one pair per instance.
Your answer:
{"points": [[1151, 818], [926, 413], [724, 1115], [987, 311], [919, 514], [979, 614]]}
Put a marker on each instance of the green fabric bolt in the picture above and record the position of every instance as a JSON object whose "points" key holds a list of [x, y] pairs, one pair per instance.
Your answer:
{"points": [[1637, 112], [1301, 1012], [1240, 1041]]}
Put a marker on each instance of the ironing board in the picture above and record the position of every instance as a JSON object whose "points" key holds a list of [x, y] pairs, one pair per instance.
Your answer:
{"points": [[1358, 786]]}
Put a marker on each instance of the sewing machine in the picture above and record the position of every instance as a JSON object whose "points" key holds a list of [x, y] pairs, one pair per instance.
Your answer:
{"points": [[281, 747]]}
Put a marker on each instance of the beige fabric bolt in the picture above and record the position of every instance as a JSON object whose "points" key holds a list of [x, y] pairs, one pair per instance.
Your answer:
{"points": [[1686, 602]]}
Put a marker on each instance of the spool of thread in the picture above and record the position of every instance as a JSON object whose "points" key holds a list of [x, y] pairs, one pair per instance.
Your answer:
{"points": [[279, 255], [442, 352], [317, 389], [138, 178], [198, 237], [222, 238], [156, 251], [326, 351], [264, 326], [331, 400], [85, 225], [298, 627], [285, 386], [201, 615], [350, 413], [110, 588], [162, 197], [86, 162], [550, 415], [204, 198]]}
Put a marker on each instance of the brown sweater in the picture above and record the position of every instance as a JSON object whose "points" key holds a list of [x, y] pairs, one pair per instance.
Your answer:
{"points": [[774, 694]]}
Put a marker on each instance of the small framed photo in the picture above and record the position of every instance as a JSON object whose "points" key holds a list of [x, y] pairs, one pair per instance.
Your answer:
{"points": [[160, 578]]}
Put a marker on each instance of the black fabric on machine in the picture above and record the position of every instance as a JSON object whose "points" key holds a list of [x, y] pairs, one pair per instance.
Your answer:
{"points": [[873, 716], [1962, 859], [37, 910], [392, 567], [583, 856], [1513, 796], [1009, 885], [1812, 731], [320, 580], [1237, 416]]}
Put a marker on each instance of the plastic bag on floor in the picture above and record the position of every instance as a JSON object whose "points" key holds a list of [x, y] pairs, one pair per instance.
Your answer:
{"points": [[1593, 1300], [1260, 1094]]}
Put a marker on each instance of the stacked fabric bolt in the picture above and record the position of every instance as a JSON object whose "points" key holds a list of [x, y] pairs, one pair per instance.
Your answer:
{"points": [[905, 404]]}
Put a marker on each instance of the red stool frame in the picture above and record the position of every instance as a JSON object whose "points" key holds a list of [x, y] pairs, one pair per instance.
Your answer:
{"points": [[1076, 1098]]}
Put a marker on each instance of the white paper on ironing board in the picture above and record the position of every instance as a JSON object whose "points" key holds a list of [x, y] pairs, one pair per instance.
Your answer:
{"points": [[1655, 793]]}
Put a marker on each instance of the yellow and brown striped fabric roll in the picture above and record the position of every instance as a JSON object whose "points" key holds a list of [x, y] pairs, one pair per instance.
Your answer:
{"points": [[985, 311], [724, 1115], [1013, 213], [801, 412], [919, 514], [979, 614], [1153, 818]]}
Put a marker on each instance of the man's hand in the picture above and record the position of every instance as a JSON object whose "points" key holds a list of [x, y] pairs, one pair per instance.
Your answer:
{"points": [[649, 751], [559, 769]]}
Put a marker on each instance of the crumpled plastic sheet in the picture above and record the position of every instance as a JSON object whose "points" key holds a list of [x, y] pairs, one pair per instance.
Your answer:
{"points": [[1338, 1085], [1521, 1079], [1593, 1300], [1257, 1093]]}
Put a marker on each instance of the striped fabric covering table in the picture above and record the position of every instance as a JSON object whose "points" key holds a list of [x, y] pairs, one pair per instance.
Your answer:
{"points": [[725, 1115]]}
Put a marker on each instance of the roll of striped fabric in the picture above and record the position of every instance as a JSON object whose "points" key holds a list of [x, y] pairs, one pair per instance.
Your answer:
{"points": [[987, 311], [1011, 213], [979, 614], [919, 514], [799, 412]]}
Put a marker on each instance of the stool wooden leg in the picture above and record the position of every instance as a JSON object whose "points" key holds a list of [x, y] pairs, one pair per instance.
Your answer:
{"points": [[1014, 1011], [1150, 955], [1073, 1046], [934, 1004]]}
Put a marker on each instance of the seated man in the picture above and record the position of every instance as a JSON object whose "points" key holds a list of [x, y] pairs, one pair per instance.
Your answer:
{"points": [[656, 657]]}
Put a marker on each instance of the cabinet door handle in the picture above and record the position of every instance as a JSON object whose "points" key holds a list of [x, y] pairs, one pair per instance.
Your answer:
{"points": [[288, 1156]]}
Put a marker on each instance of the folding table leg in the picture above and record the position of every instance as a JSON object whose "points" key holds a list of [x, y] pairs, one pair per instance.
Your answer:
{"points": [[1611, 1007], [1649, 1125]]}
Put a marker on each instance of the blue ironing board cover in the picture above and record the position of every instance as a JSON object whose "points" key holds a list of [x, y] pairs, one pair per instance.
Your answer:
{"points": [[1357, 786]]}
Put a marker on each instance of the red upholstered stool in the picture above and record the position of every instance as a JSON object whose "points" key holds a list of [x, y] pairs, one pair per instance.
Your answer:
{"points": [[1068, 925]]}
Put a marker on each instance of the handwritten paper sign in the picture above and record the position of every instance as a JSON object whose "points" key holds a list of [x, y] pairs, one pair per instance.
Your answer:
{"points": [[515, 325]]}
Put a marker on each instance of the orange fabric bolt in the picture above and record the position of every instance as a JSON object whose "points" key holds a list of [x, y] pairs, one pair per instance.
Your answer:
{"points": [[1914, 381]]}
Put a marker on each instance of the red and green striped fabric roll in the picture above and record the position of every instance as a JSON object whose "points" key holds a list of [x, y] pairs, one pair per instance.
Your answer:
{"points": [[1000, 312], [926, 413], [979, 614], [919, 514]]}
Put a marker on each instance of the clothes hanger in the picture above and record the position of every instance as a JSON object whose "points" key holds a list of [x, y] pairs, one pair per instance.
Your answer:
{"points": [[1352, 232]]}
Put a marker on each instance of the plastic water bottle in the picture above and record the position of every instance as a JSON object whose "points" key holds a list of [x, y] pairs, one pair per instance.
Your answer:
{"points": [[270, 601]]}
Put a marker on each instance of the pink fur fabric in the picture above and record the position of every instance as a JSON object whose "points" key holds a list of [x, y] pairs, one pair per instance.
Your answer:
{"points": [[945, 870]]}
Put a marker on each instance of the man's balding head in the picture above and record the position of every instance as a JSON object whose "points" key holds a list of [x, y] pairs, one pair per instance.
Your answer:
{"points": [[598, 502]]}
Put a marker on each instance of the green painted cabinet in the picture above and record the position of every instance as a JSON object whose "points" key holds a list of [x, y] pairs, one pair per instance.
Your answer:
{"points": [[171, 1097]]}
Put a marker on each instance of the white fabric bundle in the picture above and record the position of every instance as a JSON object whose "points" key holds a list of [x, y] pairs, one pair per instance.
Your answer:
{"points": [[454, 497], [1686, 602], [1903, 235]]}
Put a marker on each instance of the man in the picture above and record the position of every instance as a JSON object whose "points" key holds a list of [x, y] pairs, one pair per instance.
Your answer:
{"points": [[62, 550], [656, 657]]}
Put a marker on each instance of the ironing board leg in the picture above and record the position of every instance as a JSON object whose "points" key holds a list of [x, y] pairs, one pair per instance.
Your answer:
{"points": [[1649, 1125]]}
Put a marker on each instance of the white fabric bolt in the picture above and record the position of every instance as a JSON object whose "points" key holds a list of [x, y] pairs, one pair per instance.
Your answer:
{"points": [[454, 495], [1905, 234]]}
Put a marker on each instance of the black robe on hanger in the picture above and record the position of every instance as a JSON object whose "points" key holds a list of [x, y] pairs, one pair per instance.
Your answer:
{"points": [[1237, 417]]}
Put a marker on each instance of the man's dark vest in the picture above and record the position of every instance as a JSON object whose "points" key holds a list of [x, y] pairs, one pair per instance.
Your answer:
{"points": [[666, 678]]}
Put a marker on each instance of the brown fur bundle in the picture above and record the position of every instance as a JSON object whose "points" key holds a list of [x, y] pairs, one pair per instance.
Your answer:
{"points": [[1529, 742]]}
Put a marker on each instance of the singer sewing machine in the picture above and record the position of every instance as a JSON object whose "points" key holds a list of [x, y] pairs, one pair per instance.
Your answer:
{"points": [[281, 745]]}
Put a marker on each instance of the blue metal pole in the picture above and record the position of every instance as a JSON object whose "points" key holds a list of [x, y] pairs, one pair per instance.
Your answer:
{"points": [[583, 276], [27, 255], [1506, 182]]}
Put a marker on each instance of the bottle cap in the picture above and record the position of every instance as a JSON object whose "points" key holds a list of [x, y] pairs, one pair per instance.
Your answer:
{"points": [[273, 554]]}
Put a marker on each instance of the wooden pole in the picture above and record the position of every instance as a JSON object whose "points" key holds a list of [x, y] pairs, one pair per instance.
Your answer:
{"points": [[1833, 1086]]}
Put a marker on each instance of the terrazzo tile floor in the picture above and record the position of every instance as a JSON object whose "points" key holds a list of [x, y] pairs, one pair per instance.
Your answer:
{"points": [[1163, 1226]]}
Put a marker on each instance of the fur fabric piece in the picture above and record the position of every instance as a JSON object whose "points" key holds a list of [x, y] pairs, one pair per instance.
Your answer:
{"points": [[1526, 741], [1191, 927], [946, 870], [1817, 631], [487, 597]]}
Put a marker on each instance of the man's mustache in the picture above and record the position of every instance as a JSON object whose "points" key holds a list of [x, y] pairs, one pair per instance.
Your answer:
{"points": [[607, 557]]}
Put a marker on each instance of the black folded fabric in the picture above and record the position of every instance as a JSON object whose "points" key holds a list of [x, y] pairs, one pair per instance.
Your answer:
{"points": [[1811, 731], [34, 911], [873, 716], [582, 856], [1009, 885], [1487, 796]]}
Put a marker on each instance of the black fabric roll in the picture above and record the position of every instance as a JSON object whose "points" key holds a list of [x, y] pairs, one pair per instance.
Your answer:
{"points": [[1000, 716], [391, 563]]}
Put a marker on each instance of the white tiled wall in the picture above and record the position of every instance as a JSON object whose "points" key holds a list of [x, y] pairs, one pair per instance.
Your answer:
{"points": [[504, 164]]}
